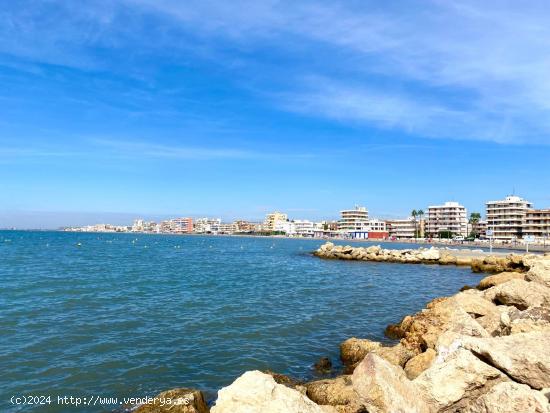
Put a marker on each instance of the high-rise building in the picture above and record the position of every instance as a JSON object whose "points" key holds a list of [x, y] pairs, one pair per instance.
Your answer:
{"points": [[177, 225], [354, 222], [449, 217], [506, 218]]}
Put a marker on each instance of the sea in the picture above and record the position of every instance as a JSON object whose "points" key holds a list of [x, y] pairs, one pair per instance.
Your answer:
{"points": [[109, 317]]}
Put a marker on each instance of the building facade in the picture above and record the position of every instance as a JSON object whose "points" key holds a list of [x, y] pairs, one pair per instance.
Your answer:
{"points": [[537, 224], [177, 225], [506, 218], [449, 217], [304, 228], [271, 220], [401, 228]]}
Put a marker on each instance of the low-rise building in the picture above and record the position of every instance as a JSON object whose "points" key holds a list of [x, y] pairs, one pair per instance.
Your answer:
{"points": [[182, 225], [227, 228], [450, 217], [207, 225], [506, 218], [304, 228], [245, 226]]}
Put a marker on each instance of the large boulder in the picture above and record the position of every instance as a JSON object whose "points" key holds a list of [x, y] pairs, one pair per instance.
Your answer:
{"points": [[353, 350], [452, 383], [431, 254], [257, 392], [383, 387], [474, 303], [509, 397], [397, 355], [442, 315], [179, 400], [501, 278], [519, 293], [416, 365], [524, 356], [539, 271], [532, 319]]}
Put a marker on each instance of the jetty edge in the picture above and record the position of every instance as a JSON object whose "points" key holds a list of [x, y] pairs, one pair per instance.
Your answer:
{"points": [[484, 349]]}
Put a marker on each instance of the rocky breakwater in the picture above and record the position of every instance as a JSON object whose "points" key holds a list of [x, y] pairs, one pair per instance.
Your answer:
{"points": [[486, 349], [478, 260]]}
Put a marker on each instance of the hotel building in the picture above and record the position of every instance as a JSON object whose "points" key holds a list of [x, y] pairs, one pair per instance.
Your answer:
{"points": [[177, 225], [451, 216], [507, 217], [354, 222], [304, 228]]}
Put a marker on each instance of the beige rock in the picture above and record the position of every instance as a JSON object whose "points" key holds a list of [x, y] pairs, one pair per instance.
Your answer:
{"points": [[431, 254], [540, 271], [383, 387], [441, 315], [257, 392], [454, 382], [509, 397], [353, 350], [532, 319], [474, 303], [493, 323], [519, 293], [176, 401], [416, 365], [397, 355], [496, 279], [336, 392], [524, 356]]}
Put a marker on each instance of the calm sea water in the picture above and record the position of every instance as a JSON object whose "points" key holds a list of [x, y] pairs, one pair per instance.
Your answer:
{"points": [[127, 315]]}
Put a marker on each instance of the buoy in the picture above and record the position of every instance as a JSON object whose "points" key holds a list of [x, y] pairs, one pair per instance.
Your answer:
{"points": [[78, 244]]}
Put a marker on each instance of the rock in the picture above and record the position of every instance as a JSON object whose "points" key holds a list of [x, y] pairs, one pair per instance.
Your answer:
{"points": [[257, 392], [496, 279], [442, 315], [283, 379], [539, 271], [336, 392], [475, 304], [523, 356], [383, 387], [519, 293], [446, 258], [397, 355], [493, 323], [419, 363], [353, 350], [451, 384], [532, 319], [464, 261], [324, 365], [176, 401], [509, 397], [431, 254]]}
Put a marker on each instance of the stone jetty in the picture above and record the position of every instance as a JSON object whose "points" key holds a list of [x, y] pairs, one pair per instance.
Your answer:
{"points": [[485, 349], [478, 260]]}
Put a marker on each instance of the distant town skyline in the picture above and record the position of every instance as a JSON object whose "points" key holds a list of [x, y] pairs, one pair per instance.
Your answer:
{"points": [[115, 110]]}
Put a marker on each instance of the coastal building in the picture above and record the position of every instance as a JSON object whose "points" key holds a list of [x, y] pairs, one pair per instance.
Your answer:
{"points": [[226, 228], [177, 225], [304, 228], [272, 219], [451, 217], [354, 223], [207, 225], [506, 217], [286, 227], [401, 228], [479, 228], [245, 226], [537, 224], [141, 225]]}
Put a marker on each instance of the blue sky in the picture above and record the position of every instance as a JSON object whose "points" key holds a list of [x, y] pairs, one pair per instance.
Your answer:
{"points": [[109, 110]]}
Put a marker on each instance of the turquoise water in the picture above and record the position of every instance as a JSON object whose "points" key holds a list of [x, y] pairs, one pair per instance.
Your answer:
{"points": [[127, 315]]}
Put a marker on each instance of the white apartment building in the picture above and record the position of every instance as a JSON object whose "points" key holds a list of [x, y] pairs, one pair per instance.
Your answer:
{"points": [[207, 225], [304, 228], [226, 228], [377, 225], [507, 217], [401, 228], [288, 227], [537, 224], [353, 220], [272, 219], [451, 216]]}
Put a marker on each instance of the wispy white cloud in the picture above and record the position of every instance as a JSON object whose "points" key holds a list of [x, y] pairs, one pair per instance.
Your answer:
{"points": [[468, 69]]}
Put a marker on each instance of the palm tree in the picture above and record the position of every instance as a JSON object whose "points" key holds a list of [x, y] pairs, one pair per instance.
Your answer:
{"points": [[414, 214], [420, 213], [474, 219]]}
